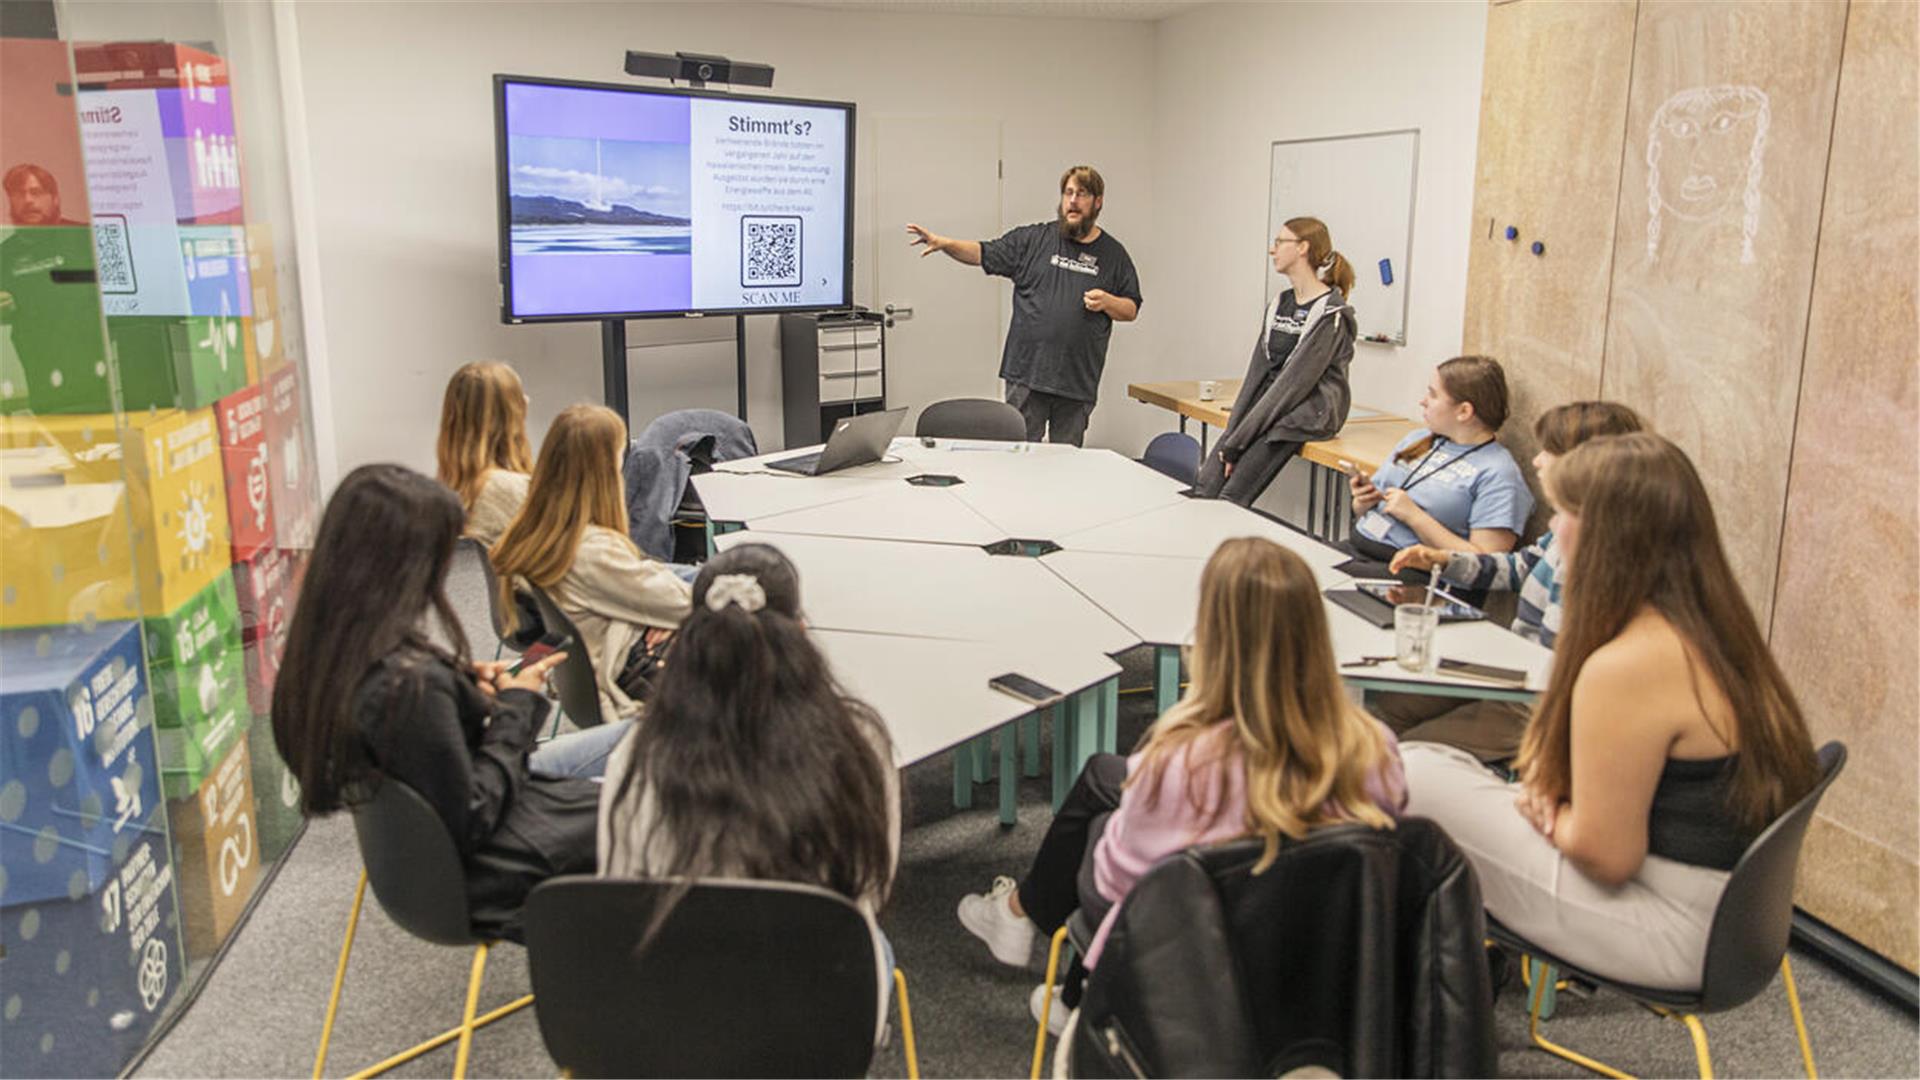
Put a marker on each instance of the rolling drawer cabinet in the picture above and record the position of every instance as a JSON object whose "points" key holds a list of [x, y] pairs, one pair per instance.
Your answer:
{"points": [[832, 365]]}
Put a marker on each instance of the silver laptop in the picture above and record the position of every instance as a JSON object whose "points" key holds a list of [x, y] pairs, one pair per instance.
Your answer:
{"points": [[855, 440]]}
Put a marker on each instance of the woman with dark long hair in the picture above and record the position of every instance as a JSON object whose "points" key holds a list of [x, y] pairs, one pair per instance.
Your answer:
{"points": [[366, 695], [752, 761], [1666, 741]]}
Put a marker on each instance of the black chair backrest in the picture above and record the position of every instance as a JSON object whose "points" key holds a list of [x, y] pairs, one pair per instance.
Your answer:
{"points": [[1175, 454], [971, 418], [744, 978], [1755, 914], [413, 865], [574, 678], [1357, 950]]}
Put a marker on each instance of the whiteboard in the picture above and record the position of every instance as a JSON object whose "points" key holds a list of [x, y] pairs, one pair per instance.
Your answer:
{"points": [[1362, 187]]}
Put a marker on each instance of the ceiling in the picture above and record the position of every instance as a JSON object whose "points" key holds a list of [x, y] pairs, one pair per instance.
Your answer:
{"points": [[1133, 10]]}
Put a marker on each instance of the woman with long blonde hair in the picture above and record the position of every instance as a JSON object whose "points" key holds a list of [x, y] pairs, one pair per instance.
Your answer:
{"points": [[570, 539], [1265, 743], [483, 454], [1666, 741]]}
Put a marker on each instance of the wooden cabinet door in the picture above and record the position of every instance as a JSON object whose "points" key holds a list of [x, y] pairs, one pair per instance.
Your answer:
{"points": [[1843, 616], [1727, 132], [1553, 105]]}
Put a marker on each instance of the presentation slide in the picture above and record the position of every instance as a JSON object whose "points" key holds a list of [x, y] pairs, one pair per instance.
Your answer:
{"points": [[633, 202]]}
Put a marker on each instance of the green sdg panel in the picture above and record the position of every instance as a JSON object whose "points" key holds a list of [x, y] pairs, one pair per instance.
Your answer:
{"points": [[87, 975], [199, 680], [52, 358]]}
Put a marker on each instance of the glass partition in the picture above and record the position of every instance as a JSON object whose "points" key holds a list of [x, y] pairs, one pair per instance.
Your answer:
{"points": [[157, 497]]}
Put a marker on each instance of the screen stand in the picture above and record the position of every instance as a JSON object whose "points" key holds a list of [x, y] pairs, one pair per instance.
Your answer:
{"points": [[613, 367], [740, 363]]}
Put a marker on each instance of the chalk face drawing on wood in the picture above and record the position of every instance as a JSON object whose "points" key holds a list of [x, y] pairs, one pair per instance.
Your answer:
{"points": [[1704, 153]]}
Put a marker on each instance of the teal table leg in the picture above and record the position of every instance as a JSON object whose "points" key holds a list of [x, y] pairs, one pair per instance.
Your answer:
{"points": [[1166, 678], [1110, 715], [1062, 750], [982, 758], [1030, 728], [962, 776], [1009, 773], [711, 548], [1086, 729], [1537, 971]]}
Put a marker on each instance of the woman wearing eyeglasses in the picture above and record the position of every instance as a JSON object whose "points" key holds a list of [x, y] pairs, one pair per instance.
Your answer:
{"points": [[1295, 390]]}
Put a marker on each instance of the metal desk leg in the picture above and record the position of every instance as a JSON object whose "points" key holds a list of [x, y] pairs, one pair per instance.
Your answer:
{"points": [[1009, 774], [1166, 678], [1061, 712], [1030, 732], [1203, 441], [962, 776], [983, 758], [1313, 496], [1086, 728]]}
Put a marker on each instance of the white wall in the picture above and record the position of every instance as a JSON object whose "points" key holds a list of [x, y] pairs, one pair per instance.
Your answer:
{"points": [[1229, 80], [398, 100]]}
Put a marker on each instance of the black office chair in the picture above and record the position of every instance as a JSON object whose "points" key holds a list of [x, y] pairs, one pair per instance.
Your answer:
{"points": [[574, 679], [795, 962], [1357, 950], [1175, 454], [971, 418], [417, 875], [1746, 943]]}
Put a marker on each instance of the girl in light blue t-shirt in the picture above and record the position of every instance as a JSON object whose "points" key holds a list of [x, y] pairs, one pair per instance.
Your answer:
{"points": [[1449, 485]]}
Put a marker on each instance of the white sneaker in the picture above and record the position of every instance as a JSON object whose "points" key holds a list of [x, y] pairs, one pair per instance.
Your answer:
{"points": [[989, 916], [1056, 1016]]}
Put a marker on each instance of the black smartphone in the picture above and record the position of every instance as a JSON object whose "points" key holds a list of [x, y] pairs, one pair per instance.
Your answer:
{"points": [[1488, 672], [537, 652], [1032, 691]]}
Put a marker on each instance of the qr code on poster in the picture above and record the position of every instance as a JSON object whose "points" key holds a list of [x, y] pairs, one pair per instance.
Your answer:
{"points": [[769, 251], [113, 254]]}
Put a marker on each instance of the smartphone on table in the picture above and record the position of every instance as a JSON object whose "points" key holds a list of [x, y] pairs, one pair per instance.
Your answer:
{"points": [[1031, 691]]}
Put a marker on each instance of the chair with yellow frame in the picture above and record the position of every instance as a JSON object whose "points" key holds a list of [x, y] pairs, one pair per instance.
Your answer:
{"points": [[740, 978], [1745, 946], [418, 877]]}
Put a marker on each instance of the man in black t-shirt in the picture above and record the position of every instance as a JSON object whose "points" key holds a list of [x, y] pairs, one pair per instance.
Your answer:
{"points": [[1071, 282]]}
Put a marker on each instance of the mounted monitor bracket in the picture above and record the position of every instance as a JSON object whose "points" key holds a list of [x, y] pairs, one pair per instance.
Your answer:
{"points": [[699, 69]]}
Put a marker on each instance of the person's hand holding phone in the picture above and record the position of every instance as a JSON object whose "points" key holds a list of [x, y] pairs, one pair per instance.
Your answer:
{"points": [[494, 676], [1360, 486]]}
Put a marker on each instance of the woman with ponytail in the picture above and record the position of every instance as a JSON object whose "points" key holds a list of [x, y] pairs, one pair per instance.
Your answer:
{"points": [[752, 761], [1295, 389]]}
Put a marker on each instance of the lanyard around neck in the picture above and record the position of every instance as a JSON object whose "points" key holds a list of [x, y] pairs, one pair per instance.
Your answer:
{"points": [[1414, 475]]}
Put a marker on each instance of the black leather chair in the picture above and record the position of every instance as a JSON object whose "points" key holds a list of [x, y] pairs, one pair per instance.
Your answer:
{"points": [[971, 418], [743, 978], [574, 679], [417, 875], [1746, 943], [1358, 950]]}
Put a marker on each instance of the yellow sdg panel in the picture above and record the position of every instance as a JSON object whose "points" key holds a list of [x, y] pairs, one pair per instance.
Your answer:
{"points": [[70, 503]]}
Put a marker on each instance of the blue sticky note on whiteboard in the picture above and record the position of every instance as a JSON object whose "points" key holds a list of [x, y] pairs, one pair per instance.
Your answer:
{"points": [[1386, 271]]}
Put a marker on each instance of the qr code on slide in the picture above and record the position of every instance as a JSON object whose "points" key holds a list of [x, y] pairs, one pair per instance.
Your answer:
{"points": [[769, 251], [113, 254]]}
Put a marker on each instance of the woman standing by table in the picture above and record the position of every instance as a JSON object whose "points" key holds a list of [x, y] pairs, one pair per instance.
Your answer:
{"points": [[1296, 385]]}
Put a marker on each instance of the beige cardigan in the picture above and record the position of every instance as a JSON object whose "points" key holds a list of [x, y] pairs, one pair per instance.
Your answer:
{"points": [[613, 594], [502, 493]]}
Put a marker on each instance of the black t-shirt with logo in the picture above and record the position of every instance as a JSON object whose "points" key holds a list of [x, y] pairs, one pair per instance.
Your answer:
{"points": [[1055, 345], [1289, 321]]}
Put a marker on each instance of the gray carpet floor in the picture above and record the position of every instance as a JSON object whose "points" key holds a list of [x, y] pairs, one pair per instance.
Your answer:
{"points": [[260, 1013]]}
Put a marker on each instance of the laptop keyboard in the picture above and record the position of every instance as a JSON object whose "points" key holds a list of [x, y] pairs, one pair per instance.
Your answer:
{"points": [[805, 464]]}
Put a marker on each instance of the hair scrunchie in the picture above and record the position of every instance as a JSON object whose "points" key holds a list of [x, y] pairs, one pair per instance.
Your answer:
{"points": [[741, 589]]}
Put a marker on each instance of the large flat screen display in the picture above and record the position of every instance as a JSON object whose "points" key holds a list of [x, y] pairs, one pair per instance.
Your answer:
{"points": [[629, 202]]}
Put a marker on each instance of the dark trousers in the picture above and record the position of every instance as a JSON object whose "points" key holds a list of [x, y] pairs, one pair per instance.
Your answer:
{"points": [[1061, 877], [1059, 419], [1252, 474]]}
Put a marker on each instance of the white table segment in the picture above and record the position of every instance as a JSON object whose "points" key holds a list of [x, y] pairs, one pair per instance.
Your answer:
{"points": [[933, 693], [1193, 528], [895, 510], [730, 496], [944, 591], [1055, 495]]}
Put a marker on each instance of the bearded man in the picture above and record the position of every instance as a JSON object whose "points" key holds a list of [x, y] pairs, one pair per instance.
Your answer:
{"points": [[1071, 282]]}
